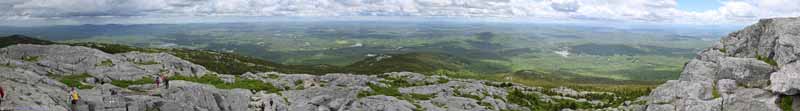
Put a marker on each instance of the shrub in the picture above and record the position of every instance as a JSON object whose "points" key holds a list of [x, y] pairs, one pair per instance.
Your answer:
{"points": [[106, 63], [786, 103], [715, 91], [30, 58], [767, 60], [212, 79], [422, 96], [532, 101]]}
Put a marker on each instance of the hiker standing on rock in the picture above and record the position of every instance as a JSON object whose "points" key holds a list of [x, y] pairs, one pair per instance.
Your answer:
{"points": [[74, 97], [163, 78], [166, 80], [158, 81]]}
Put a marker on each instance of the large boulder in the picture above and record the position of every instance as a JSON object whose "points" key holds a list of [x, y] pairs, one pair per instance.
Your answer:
{"points": [[676, 89], [786, 80], [738, 73], [205, 97], [748, 72], [776, 38], [750, 99]]}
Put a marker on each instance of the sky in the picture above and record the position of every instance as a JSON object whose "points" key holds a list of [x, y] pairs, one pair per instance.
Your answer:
{"points": [[702, 12], [698, 5]]}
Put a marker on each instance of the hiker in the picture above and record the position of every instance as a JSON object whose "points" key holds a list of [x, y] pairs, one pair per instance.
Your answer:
{"points": [[158, 81], [166, 81], [2, 95], [74, 96]]}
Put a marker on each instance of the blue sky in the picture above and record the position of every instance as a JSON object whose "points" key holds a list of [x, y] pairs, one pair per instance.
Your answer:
{"points": [[698, 5], [703, 12]]}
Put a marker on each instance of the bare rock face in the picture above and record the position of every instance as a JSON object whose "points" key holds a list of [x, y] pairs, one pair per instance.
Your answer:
{"points": [[29, 72], [69, 60], [32, 91], [205, 97], [382, 103], [746, 71], [787, 79], [32, 76]]}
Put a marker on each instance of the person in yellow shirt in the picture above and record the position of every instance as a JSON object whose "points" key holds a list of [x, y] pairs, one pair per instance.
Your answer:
{"points": [[74, 96]]}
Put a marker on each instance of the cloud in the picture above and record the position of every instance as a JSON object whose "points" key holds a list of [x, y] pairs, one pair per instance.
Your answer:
{"points": [[565, 5], [658, 11]]}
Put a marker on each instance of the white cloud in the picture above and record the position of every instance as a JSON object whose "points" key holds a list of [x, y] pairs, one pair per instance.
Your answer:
{"points": [[658, 11]]}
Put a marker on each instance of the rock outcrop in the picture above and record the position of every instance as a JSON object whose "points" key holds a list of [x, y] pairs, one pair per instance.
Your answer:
{"points": [[40, 77], [70, 60], [746, 71]]}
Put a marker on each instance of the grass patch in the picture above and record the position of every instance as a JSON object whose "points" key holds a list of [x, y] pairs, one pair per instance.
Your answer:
{"points": [[146, 63], [459, 94], [126, 83], [31, 58], [501, 84], [8, 64], [212, 79], [272, 76], [532, 101], [378, 90], [715, 91], [786, 102], [767, 60], [74, 80], [442, 80], [106, 63], [416, 96]]}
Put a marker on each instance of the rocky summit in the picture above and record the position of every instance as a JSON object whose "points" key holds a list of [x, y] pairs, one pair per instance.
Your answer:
{"points": [[754, 69], [42, 77]]}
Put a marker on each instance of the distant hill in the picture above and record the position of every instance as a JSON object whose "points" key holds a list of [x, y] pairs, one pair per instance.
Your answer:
{"points": [[226, 63], [21, 39], [422, 62], [231, 63]]}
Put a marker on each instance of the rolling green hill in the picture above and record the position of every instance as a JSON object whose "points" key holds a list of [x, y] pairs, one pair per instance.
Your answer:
{"points": [[21, 39], [413, 62]]}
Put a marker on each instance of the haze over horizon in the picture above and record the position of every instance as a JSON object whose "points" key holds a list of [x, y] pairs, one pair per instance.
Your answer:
{"points": [[695, 12]]}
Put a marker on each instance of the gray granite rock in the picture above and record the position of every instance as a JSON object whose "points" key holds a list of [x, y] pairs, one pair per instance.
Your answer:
{"points": [[786, 80], [751, 99], [68, 60], [738, 67], [207, 97], [382, 103]]}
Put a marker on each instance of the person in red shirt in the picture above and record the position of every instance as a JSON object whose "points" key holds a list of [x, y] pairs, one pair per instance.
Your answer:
{"points": [[158, 81], [2, 95]]}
